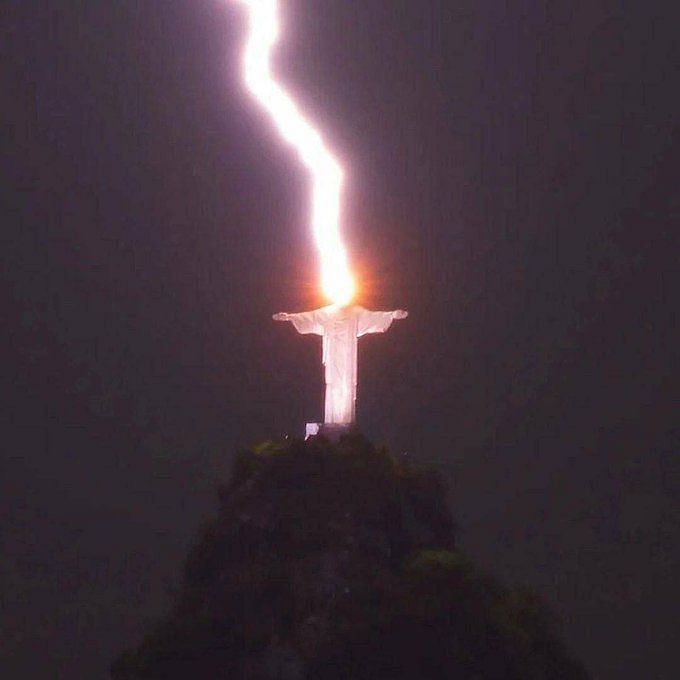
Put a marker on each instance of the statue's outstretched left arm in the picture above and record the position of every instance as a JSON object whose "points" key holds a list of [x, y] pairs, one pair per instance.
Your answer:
{"points": [[378, 322]]}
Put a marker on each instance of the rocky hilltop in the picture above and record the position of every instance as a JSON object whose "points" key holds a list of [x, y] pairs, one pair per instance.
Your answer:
{"points": [[336, 561]]}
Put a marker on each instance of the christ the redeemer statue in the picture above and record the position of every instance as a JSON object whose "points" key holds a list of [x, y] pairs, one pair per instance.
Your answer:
{"points": [[340, 327]]}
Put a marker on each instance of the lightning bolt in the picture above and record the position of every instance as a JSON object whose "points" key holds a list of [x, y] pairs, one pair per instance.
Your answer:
{"points": [[337, 282]]}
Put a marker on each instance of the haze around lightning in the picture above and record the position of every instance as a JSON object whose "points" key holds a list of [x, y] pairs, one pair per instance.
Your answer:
{"points": [[337, 282]]}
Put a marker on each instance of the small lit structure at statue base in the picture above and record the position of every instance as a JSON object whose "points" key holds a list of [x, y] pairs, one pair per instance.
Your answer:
{"points": [[330, 432], [312, 429]]}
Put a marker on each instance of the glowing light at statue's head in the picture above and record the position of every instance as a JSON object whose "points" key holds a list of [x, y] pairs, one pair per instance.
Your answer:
{"points": [[337, 282]]}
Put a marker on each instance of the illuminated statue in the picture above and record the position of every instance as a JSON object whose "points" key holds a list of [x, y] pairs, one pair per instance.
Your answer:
{"points": [[340, 324], [340, 327]]}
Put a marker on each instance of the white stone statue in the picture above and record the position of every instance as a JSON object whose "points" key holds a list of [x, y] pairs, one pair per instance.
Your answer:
{"points": [[340, 327]]}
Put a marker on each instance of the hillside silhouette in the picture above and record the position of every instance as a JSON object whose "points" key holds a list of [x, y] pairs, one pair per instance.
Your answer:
{"points": [[336, 561]]}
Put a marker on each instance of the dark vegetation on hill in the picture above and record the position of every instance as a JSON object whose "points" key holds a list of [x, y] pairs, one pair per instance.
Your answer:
{"points": [[334, 561]]}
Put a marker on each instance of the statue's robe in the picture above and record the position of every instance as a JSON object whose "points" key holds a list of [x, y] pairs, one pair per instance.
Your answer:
{"points": [[340, 328]]}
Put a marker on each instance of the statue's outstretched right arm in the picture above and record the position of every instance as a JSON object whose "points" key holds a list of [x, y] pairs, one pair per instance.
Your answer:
{"points": [[304, 322]]}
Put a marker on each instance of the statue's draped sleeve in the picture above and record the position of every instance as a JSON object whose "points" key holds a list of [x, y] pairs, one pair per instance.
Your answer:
{"points": [[307, 322], [374, 322]]}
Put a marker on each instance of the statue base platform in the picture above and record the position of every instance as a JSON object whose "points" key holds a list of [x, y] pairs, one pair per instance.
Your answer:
{"points": [[332, 432]]}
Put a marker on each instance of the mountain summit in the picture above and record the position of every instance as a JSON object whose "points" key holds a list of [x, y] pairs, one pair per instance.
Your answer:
{"points": [[336, 561]]}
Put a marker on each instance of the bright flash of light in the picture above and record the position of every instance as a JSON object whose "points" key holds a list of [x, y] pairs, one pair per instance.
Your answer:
{"points": [[336, 279]]}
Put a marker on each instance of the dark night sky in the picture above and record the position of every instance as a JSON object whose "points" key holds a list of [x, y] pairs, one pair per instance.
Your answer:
{"points": [[511, 181]]}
